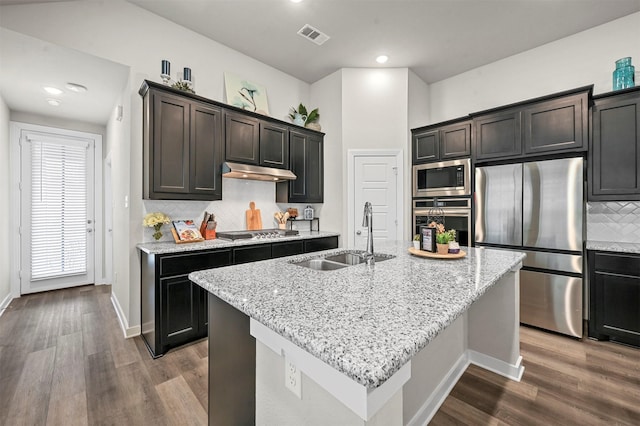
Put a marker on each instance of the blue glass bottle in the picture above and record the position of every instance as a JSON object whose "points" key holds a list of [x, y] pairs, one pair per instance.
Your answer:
{"points": [[624, 74]]}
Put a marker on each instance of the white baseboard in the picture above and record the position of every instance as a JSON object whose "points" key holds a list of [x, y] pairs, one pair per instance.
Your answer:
{"points": [[432, 405], [5, 302], [510, 371], [122, 319]]}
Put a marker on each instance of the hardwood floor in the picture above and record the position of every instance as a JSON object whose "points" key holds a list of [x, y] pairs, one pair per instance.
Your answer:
{"points": [[63, 360]]}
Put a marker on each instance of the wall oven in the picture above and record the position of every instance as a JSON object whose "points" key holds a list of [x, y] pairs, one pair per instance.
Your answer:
{"points": [[446, 178], [457, 215]]}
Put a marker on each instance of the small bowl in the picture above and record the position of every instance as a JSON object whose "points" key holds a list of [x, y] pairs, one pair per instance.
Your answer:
{"points": [[454, 251]]}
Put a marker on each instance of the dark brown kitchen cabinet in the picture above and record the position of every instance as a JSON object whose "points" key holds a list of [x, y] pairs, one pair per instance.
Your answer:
{"points": [[441, 142], [614, 154], [549, 125], [614, 296], [306, 161], [274, 145], [242, 138], [182, 149], [174, 310]]}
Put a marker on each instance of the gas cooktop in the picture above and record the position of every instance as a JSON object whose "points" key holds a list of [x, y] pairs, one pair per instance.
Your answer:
{"points": [[257, 234]]}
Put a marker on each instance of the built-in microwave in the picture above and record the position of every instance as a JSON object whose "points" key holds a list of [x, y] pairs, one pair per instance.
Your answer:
{"points": [[452, 177]]}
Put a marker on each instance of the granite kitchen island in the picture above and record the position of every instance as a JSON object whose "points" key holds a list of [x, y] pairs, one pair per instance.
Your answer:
{"points": [[380, 344]]}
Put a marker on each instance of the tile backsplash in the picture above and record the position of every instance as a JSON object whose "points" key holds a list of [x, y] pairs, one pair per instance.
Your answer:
{"points": [[229, 212], [614, 221]]}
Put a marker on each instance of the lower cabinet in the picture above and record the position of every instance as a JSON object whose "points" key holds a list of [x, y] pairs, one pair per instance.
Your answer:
{"points": [[614, 297], [174, 311]]}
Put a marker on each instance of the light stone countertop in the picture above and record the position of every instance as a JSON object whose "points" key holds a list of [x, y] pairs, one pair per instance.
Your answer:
{"points": [[167, 247], [365, 322], [614, 246]]}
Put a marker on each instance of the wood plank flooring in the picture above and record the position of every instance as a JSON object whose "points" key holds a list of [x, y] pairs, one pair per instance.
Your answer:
{"points": [[63, 361]]}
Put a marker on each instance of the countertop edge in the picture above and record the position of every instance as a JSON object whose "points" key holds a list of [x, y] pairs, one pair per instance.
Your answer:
{"points": [[613, 246]]}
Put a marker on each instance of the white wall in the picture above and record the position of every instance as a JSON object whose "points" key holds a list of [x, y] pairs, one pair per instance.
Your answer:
{"points": [[60, 123], [579, 60], [5, 247], [124, 33]]}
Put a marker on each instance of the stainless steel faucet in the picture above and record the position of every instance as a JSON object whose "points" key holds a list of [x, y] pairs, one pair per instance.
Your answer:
{"points": [[367, 220]]}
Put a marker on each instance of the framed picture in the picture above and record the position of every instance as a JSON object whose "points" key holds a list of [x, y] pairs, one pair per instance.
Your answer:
{"points": [[245, 94], [428, 239]]}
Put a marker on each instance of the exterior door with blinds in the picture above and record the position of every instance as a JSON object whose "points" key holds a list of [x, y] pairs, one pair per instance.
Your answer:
{"points": [[57, 212]]}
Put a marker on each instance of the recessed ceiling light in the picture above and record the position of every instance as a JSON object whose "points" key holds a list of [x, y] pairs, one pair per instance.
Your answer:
{"points": [[53, 102], [74, 87], [382, 59], [52, 90], [295, 1]]}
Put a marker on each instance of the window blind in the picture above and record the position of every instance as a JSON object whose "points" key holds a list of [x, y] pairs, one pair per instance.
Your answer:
{"points": [[58, 209]]}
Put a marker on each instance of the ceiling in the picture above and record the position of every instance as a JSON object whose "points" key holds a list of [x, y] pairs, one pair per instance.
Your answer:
{"points": [[436, 39], [28, 64]]}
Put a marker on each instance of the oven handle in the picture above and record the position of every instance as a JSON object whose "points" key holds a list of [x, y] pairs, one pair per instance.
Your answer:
{"points": [[446, 211]]}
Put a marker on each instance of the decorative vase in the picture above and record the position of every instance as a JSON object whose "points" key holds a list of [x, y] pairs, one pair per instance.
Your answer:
{"points": [[442, 248], [157, 234], [282, 226], [314, 126], [624, 74], [416, 245], [299, 119]]}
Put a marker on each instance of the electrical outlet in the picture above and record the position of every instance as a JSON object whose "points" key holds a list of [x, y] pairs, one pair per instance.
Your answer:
{"points": [[292, 378]]}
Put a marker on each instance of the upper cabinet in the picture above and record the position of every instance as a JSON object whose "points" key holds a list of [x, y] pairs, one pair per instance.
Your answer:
{"points": [[553, 124], [614, 158], [441, 142], [249, 140], [183, 146], [306, 161]]}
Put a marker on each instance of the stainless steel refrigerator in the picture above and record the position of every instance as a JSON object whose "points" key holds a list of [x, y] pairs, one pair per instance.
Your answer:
{"points": [[538, 208]]}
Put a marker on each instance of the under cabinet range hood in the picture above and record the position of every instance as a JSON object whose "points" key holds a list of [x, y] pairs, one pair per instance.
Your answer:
{"points": [[251, 172]]}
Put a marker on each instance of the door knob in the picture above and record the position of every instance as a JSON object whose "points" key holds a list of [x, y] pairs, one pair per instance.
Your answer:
{"points": [[358, 232]]}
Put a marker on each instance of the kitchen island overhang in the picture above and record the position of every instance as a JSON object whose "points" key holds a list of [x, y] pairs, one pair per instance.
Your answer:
{"points": [[382, 328]]}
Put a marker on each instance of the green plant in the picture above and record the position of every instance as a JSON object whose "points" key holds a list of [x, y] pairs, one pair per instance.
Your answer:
{"points": [[312, 116], [416, 237], [446, 236]]}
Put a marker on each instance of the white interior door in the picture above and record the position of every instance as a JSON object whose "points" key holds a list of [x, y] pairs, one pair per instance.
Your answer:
{"points": [[57, 211], [376, 181]]}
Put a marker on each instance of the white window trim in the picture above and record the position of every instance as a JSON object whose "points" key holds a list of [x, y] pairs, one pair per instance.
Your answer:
{"points": [[16, 130]]}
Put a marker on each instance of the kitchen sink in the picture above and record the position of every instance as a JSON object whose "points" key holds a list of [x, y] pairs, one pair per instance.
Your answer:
{"points": [[354, 257], [321, 264], [340, 260]]}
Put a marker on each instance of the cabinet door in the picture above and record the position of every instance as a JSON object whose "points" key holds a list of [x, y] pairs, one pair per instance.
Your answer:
{"points": [[426, 146], [617, 306], [206, 152], [274, 145], [497, 135], [242, 135], [455, 141], [297, 162], [556, 125], [614, 160], [180, 311], [170, 145], [315, 171]]}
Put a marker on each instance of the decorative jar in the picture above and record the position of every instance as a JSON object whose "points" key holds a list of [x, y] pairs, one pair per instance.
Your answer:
{"points": [[624, 74]]}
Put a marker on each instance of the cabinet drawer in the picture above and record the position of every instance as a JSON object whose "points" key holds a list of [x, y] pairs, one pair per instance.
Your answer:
{"points": [[251, 254], [318, 244], [617, 264], [186, 263], [287, 249]]}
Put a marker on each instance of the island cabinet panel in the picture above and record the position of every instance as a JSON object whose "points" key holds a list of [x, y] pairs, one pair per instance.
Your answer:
{"points": [[182, 146], [614, 296], [274, 145], [306, 161], [614, 154], [242, 138], [498, 135], [441, 142]]}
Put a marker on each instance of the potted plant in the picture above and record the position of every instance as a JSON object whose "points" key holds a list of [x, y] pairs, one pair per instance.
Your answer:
{"points": [[301, 117], [416, 241], [443, 239]]}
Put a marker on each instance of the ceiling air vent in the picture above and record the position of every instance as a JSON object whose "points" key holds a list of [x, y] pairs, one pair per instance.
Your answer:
{"points": [[313, 34]]}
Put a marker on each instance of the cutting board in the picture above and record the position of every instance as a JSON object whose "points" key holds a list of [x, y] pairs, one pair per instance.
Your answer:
{"points": [[254, 218]]}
